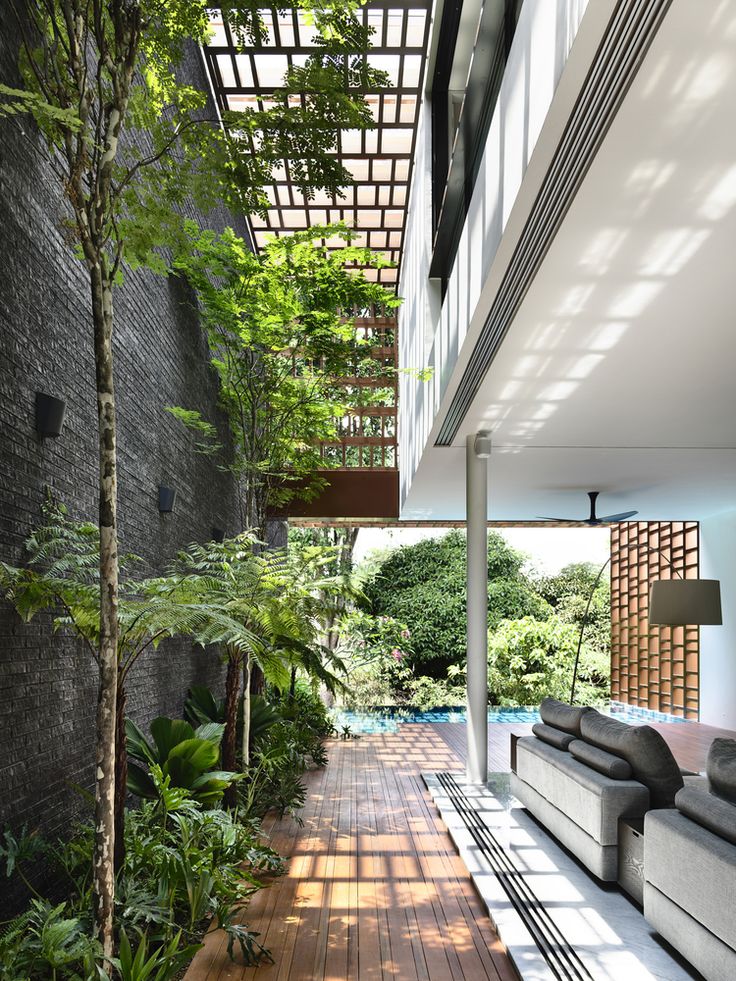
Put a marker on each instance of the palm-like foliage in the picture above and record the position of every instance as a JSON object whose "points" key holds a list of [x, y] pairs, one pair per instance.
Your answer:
{"points": [[201, 707], [188, 756], [61, 576], [279, 603]]}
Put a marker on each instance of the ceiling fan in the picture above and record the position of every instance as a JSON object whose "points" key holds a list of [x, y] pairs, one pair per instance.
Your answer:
{"points": [[594, 519]]}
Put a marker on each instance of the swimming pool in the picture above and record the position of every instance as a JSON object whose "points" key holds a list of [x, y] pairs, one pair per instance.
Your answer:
{"points": [[388, 719]]}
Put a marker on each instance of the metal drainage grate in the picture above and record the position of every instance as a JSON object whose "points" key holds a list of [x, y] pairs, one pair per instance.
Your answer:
{"points": [[560, 956]]}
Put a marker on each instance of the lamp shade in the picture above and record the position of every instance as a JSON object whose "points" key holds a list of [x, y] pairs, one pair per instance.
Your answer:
{"points": [[685, 601]]}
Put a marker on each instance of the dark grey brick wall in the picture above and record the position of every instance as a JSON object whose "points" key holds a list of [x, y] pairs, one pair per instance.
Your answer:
{"points": [[48, 682]]}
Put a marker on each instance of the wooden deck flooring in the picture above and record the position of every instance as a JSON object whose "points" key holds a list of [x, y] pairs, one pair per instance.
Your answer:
{"points": [[374, 889]]}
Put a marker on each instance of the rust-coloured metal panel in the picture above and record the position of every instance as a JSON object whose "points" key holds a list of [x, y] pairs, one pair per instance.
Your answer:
{"points": [[655, 667], [354, 493]]}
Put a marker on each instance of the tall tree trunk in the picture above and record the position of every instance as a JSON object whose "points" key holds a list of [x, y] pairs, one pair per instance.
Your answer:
{"points": [[292, 685], [229, 737], [103, 870], [257, 680], [247, 668], [121, 777]]}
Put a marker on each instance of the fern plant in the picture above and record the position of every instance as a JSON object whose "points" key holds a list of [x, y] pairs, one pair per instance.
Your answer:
{"points": [[280, 611], [61, 576]]}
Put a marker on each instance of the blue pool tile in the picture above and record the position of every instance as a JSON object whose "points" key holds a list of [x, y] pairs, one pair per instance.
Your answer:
{"points": [[388, 719]]}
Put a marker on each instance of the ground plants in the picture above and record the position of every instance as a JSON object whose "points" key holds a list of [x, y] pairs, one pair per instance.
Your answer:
{"points": [[185, 866], [201, 706], [61, 575], [188, 757]]}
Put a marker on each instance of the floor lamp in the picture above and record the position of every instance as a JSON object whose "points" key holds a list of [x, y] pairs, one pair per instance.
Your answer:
{"points": [[672, 602]]}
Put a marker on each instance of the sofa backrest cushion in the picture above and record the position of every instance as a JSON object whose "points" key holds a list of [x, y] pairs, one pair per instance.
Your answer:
{"points": [[555, 737], [563, 716], [598, 759], [708, 810], [721, 768], [646, 752]]}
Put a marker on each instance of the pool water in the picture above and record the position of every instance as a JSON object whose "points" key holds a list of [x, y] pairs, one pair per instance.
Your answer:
{"points": [[388, 719]]}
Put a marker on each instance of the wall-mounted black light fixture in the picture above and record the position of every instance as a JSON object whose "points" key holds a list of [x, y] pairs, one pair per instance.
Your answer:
{"points": [[218, 534], [166, 499], [50, 414]]}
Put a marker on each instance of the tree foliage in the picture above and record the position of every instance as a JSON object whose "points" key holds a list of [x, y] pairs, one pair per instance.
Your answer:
{"points": [[129, 141], [424, 587], [568, 592], [531, 659], [281, 336]]}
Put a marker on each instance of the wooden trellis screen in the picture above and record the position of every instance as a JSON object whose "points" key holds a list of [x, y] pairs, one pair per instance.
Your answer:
{"points": [[652, 667], [367, 437]]}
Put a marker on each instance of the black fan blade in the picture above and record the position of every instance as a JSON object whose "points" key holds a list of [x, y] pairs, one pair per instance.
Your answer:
{"points": [[622, 516], [544, 517]]}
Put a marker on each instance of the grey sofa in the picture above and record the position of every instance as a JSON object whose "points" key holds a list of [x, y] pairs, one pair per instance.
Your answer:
{"points": [[581, 772], [690, 868]]}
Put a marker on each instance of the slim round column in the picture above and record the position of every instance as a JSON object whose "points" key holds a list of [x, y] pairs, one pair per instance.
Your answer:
{"points": [[477, 606]]}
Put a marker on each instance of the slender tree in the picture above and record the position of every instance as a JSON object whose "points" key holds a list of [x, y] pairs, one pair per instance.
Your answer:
{"points": [[282, 338], [129, 141]]}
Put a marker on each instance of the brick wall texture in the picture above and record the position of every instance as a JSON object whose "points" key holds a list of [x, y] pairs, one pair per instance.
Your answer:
{"points": [[47, 681]]}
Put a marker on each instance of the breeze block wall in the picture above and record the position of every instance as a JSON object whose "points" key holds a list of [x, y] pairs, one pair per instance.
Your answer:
{"points": [[653, 667], [48, 681]]}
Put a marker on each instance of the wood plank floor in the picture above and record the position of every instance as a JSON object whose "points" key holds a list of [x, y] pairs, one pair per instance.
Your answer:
{"points": [[374, 889]]}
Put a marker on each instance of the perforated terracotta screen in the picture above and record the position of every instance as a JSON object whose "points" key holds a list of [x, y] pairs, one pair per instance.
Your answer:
{"points": [[652, 667]]}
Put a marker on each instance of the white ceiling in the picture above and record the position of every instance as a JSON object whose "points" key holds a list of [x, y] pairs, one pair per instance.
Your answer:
{"points": [[618, 373]]}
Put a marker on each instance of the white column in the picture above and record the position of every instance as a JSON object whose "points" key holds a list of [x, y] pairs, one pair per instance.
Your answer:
{"points": [[718, 643], [477, 604]]}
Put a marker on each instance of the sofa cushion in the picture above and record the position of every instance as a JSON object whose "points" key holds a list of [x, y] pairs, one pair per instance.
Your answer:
{"points": [[563, 716], [593, 802], [710, 811], [605, 763], [555, 737], [721, 768], [646, 752]]}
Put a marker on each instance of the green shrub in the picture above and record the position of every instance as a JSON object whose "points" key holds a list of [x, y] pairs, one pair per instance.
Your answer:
{"points": [[185, 866], [201, 707], [187, 756], [48, 942], [426, 693], [423, 586], [530, 659]]}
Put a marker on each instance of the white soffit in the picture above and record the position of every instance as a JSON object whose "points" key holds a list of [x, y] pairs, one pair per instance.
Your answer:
{"points": [[618, 372]]}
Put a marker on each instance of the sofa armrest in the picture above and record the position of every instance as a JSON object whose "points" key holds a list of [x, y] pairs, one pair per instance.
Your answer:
{"points": [[698, 780]]}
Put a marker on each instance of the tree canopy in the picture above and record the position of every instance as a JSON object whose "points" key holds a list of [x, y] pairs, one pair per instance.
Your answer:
{"points": [[281, 338], [423, 585]]}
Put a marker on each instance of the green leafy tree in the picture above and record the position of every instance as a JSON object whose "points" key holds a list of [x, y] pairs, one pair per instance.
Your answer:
{"points": [[341, 539], [281, 337], [568, 591], [279, 602], [424, 587], [530, 659], [129, 141]]}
